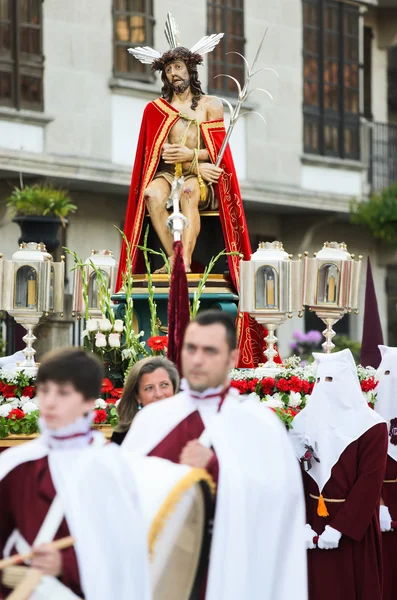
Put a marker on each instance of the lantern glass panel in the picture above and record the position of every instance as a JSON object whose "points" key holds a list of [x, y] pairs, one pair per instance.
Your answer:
{"points": [[93, 295], [52, 284], [26, 288], [266, 289], [328, 284]]}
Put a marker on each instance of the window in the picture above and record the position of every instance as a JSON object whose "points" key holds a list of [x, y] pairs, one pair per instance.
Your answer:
{"points": [[226, 16], [133, 24], [331, 78], [21, 54]]}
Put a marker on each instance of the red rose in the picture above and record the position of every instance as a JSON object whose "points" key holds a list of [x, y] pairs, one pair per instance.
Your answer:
{"points": [[107, 386], [16, 413], [28, 391], [158, 342], [100, 416], [9, 390], [268, 385]]}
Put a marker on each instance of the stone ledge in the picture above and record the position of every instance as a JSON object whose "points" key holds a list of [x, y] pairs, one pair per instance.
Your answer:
{"points": [[24, 116], [333, 163]]}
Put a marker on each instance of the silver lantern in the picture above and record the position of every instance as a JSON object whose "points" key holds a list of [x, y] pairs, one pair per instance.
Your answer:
{"points": [[271, 290], [102, 262], [331, 286], [33, 286]]}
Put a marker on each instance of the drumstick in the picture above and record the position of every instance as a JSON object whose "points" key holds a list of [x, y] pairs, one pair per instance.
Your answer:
{"points": [[27, 586], [16, 559]]}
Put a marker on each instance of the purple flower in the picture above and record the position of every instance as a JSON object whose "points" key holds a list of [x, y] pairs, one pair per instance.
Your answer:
{"points": [[299, 336], [293, 346], [314, 337]]}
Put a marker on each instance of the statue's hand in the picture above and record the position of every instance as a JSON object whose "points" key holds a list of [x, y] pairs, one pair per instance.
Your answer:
{"points": [[210, 172], [175, 153]]}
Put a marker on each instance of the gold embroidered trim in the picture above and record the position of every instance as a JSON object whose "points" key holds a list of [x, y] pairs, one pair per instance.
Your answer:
{"points": [[327, 499], [170, 503], [171, 115], [390, 481]]}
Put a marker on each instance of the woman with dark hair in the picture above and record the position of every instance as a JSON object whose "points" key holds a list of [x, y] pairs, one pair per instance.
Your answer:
{"points": [[150, 380]]}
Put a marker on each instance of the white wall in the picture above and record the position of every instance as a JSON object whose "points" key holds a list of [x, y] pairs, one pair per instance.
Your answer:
{"points": [[78, 65], [21, 136]]}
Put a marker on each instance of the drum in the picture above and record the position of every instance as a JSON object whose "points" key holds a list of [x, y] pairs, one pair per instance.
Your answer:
{"points": [[177, 502]]}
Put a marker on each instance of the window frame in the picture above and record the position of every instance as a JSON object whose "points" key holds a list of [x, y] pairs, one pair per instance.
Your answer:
{"points": [[319, 116], [20, 63], [146, 75], [227, 7]]}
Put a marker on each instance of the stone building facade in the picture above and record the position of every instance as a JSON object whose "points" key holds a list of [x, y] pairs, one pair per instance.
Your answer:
{"points": [[71, 101]]}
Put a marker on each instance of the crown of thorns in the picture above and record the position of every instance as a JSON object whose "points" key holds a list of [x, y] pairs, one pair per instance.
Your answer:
{"points": [[192, 57]]}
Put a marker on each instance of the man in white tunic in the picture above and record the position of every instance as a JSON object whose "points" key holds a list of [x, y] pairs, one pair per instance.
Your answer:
{"points": [[258, 550]]}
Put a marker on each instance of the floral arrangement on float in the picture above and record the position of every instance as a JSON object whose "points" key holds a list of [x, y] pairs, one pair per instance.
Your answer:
{"points": [[288, 392]]}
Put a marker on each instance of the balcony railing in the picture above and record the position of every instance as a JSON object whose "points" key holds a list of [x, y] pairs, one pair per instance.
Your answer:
{"points": [[383, 155]]}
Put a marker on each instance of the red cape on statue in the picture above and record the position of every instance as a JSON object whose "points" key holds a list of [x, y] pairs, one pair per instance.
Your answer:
{"points": [[158, 118]]}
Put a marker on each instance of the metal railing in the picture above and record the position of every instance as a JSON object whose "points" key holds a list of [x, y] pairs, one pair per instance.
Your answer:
{"points": [[383, 155]]}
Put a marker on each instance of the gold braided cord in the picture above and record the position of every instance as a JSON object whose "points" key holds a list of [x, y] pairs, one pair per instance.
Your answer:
{"points": [[172, 500], [327, 499], [390, 481], [178, 166]]}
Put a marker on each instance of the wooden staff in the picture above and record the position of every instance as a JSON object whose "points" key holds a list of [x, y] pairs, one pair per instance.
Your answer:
{"points": [[16, 559], [27, 586]]}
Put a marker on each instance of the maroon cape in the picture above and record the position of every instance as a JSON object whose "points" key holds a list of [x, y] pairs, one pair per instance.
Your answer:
{"points": [[172, 445], [158, 118], [26, 494], [389, 538], [353, 571]]}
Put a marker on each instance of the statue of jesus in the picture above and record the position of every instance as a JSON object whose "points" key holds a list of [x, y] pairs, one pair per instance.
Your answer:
{"points": [[184, 152]]}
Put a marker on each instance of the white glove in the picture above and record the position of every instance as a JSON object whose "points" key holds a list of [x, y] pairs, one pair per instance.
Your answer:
{"points": [[309, 534], [329, 539], [385, 518]]}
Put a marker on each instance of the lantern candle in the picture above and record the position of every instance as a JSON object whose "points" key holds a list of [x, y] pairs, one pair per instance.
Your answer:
{"points": [[270, 292], [331, 289], [31, 292]]}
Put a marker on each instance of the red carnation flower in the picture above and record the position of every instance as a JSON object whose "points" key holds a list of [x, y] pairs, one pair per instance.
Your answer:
{"points": [[158, 342], [100, 416], [307, 387], [115, 394], [267, 385], [107, 386], [9, 390], [368, 385], [16, 413], [28, 391], [283, 385]]}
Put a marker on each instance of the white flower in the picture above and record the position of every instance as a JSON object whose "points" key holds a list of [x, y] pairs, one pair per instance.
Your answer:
{"points": [[252, 396], [29, 407], [100, 404], [117, 402], [104, 325], [92, 325], [5, 410], [274, 401], [295, 399], [128, 353], [100, 340], [118, 326], [114, 340], [14, 402], [24, 399]]}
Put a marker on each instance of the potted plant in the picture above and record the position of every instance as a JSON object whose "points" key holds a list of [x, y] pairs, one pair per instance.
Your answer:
{"points": [[379, 215], [40, 210]]}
